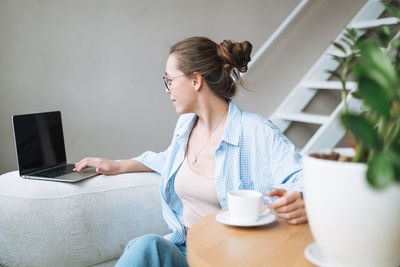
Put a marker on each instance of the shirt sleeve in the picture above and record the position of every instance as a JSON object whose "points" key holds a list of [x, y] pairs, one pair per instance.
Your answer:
{"points": [[288, 172], [154, 160]]}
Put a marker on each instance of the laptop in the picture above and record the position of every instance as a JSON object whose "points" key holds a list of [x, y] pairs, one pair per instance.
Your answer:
{"points": [[40, 147]]}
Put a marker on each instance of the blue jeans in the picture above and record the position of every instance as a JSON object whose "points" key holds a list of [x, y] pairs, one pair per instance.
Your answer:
{"points": [[152, 250]]}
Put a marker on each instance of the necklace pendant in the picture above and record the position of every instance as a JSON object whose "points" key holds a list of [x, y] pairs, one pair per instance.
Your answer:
{"points": [[194, 161]]}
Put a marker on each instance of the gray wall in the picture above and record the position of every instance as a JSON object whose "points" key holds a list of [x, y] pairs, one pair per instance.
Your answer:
{"points": [[100, 63]]}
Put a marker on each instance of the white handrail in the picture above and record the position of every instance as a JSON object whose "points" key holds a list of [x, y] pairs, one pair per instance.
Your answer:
{"points": [[276, 33]]}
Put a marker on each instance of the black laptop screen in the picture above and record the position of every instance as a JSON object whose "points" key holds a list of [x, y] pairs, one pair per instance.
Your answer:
{"points": [[39, 141]]}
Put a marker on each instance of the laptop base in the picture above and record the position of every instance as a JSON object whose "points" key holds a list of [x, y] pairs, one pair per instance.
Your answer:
{"points": [[71, 177]]}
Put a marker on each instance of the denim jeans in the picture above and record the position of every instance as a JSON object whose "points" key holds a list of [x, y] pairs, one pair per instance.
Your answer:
{"points": [[152, 250]]}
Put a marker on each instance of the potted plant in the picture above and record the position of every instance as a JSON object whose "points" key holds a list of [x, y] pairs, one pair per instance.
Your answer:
{"points": [[354, 207]]}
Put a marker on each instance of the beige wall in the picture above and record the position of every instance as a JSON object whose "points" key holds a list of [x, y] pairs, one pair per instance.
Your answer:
{"points": [[100, 63]]}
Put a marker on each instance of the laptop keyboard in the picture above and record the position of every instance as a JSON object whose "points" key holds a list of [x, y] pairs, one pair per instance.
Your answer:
{"points": [[52, 173]]}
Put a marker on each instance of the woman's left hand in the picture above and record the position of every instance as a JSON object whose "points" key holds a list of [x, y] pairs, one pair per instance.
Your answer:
{"points": [[289, 206]]}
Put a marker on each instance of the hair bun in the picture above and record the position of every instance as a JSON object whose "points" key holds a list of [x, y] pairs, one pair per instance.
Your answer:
{"points": [[235, 54]]}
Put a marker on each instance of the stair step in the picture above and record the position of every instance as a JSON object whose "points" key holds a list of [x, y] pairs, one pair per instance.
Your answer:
{"points": [[331, 85], [330, 133], [303, 117], [317, 78], [365, 24]]}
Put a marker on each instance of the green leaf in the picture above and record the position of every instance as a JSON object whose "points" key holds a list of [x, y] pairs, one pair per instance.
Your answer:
{"points": [[356, 94], [394, 43], [351, 34], [335, 74], [361, 39], [361, 129], [374, 56], [340, 47], [349, 44], [385, 30], [374, 96], [393, 154], [377, 66], [392, 10], [348, 36], [384, 35], [394, 158], [380, 171], [395, 136], [338, 59], [397, 175], [378, 77]]}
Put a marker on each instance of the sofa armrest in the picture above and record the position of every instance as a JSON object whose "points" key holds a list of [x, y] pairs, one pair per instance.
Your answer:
{"points": [[44, 223]]}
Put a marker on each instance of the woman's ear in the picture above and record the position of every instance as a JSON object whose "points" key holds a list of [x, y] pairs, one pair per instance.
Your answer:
{"points": [[197, 81]]}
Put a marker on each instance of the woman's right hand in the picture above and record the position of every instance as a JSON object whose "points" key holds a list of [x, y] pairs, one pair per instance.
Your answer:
{"points": [[103, 166]]}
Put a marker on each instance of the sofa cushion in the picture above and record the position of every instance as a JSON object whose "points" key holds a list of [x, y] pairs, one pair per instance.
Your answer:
{"points": [[44, 223]]}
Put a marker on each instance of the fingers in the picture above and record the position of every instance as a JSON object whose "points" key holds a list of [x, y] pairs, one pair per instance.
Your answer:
{"points": [[92, 162], [278, 192], [295, 205], [289, 206], [103, 166], [284, 200], [80, 165], [293, 215], [299, 220]]}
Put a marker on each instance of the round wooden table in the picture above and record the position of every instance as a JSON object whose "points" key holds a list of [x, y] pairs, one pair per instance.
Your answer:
{"points": [[210, 243]]}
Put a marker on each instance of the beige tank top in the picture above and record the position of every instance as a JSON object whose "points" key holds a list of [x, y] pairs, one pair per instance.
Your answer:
{"points": [[198, 194]]}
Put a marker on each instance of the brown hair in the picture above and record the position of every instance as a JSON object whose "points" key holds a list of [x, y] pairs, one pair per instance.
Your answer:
{"points": [[214, 62]]}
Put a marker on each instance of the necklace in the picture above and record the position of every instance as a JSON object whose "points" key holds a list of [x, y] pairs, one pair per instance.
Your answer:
{"points": [[209, 137]]}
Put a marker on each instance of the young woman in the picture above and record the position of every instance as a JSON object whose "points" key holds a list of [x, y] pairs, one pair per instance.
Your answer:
{"points": [[216, 148]]}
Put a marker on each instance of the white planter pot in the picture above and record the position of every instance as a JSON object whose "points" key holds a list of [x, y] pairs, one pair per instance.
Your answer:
{"points": [[352, 223]]}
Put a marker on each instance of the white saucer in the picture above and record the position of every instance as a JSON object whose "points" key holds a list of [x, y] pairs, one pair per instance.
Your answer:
{"points": [[224, 218], [313, 254]]}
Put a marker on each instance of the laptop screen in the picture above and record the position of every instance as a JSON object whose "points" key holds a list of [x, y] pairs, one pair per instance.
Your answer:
{"points": [[39, 141]]}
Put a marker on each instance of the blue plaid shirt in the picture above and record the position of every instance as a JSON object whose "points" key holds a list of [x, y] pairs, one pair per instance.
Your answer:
{"points": [[253, 154]]}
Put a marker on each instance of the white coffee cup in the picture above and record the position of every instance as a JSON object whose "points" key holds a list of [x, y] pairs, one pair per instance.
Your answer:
{"points": [[246, 206]]}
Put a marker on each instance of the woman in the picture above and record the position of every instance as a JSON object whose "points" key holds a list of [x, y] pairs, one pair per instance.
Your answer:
{"points": [[216, 148]]}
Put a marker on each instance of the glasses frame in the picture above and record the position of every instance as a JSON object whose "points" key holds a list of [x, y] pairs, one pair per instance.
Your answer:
{"points": [[168, 80]]}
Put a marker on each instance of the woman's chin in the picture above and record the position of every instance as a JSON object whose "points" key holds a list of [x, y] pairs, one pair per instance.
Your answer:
{"points": [[180, 110], [177, 109]]}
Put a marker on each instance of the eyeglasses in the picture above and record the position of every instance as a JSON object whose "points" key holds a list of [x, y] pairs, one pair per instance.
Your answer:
{"points": [[167, 81]]}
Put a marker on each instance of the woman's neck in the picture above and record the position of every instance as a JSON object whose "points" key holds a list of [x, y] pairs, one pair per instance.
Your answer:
{"points": [[212, 113]]}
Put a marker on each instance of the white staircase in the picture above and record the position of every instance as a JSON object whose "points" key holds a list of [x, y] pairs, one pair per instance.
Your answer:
{"points": [[330, 132]]}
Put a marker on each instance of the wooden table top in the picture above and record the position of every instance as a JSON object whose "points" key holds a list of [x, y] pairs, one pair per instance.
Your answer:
{"points": [[210, 243]]}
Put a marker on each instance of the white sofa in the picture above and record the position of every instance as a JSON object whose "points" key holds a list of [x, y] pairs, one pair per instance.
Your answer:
{"points": [[45, 223]]}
